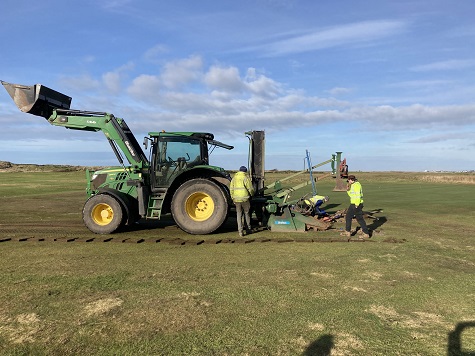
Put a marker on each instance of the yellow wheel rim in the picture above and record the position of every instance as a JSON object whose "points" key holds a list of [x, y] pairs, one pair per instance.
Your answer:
{"points": [[199, 206], [102, 214]]}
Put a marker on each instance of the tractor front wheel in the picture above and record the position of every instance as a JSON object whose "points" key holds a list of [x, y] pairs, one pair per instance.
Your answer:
{"points": [[199, 206], [102, 214]]}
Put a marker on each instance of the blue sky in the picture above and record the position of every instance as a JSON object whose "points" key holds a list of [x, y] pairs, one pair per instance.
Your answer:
{"points": [[391, 84]]}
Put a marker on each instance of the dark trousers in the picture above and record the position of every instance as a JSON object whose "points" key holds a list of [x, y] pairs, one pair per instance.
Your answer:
{"points": [[358, 213], [319, 211]]}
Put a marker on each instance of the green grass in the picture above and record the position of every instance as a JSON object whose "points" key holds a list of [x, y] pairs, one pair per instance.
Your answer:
{"points": [[372, 298]]}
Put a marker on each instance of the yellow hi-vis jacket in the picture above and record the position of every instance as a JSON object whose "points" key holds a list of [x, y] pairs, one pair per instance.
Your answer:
{"points": [[356, 193], [241, 187], [313, 200]]}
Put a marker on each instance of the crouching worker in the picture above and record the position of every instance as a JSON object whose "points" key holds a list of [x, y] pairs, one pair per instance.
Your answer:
{"points": [[241, 192], [316, 202]]}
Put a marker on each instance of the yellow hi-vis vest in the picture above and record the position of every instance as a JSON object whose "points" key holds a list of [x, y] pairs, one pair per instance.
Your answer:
{"points": [[356, 193], [241, 187], [313, 200]]}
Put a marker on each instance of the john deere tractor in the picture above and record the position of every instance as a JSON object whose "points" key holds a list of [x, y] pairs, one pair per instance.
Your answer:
{"points": [[176, 178]]}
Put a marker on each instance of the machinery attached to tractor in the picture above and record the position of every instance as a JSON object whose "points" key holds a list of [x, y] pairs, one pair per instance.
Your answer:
{"points": [[174, 178]]}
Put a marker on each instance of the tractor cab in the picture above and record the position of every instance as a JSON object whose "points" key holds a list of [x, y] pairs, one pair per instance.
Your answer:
{"points": [[173, 153]]}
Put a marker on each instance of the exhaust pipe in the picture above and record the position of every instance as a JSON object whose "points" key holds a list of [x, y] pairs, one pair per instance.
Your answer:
{"points": [[37, 99]]}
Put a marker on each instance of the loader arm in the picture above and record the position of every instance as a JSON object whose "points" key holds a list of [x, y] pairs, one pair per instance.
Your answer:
{"points": [[115, 129], [54, 106]]}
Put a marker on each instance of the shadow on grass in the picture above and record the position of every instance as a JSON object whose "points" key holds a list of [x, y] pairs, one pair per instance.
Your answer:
{"points": [[377, 223], [167, 223], [330, 206], [320, 347], [454, 341], [149, 225]]}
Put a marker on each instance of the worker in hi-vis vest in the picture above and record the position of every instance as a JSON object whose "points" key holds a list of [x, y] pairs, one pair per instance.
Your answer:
{"points": [[241, 192], [316, 202], [355, 192]]}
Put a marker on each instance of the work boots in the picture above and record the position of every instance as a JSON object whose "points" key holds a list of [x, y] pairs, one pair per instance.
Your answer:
{"points": [[248, 232], [363, 235]]}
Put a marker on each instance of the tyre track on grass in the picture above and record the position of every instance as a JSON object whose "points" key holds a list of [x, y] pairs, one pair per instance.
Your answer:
{"points": [[35, 233]]}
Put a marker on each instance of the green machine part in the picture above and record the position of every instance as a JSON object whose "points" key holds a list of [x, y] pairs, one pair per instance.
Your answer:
{"points": [[285, 222], [288, 220]]}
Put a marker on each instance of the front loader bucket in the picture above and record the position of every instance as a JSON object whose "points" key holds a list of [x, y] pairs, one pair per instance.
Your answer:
{"points": [[37, 99]]}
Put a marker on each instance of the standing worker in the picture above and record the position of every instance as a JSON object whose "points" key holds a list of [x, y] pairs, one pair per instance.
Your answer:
{"points": [[355, 192], [241, 193]]}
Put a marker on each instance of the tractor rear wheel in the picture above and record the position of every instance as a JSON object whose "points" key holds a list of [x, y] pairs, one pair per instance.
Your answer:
{"points": [[199, 206], [102, 214]]}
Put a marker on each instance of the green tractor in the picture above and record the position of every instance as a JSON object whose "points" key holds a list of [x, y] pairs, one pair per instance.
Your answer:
{"points": [[176, 178]]}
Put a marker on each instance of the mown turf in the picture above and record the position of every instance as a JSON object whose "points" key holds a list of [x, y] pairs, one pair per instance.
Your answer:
{"points": [[412, 295]]}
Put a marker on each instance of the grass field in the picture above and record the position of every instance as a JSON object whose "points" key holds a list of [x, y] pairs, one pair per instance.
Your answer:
{"points": [[408, 291]]}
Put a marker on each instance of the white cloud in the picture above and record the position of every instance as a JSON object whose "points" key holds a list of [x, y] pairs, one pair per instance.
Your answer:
{"points": [[89, 59], [224, 79], [112, 80], [179, 73], [339, 91], [350, 34], [222, 99], [262, 86], [419, 83], [154, 54], [452, 64], [446, 136], [145, 88], [113, 4], [413, 117]]}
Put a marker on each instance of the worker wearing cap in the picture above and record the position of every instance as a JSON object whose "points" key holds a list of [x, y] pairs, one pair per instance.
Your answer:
{"points": [[241, 192], [355, 192], [317, 201]]}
